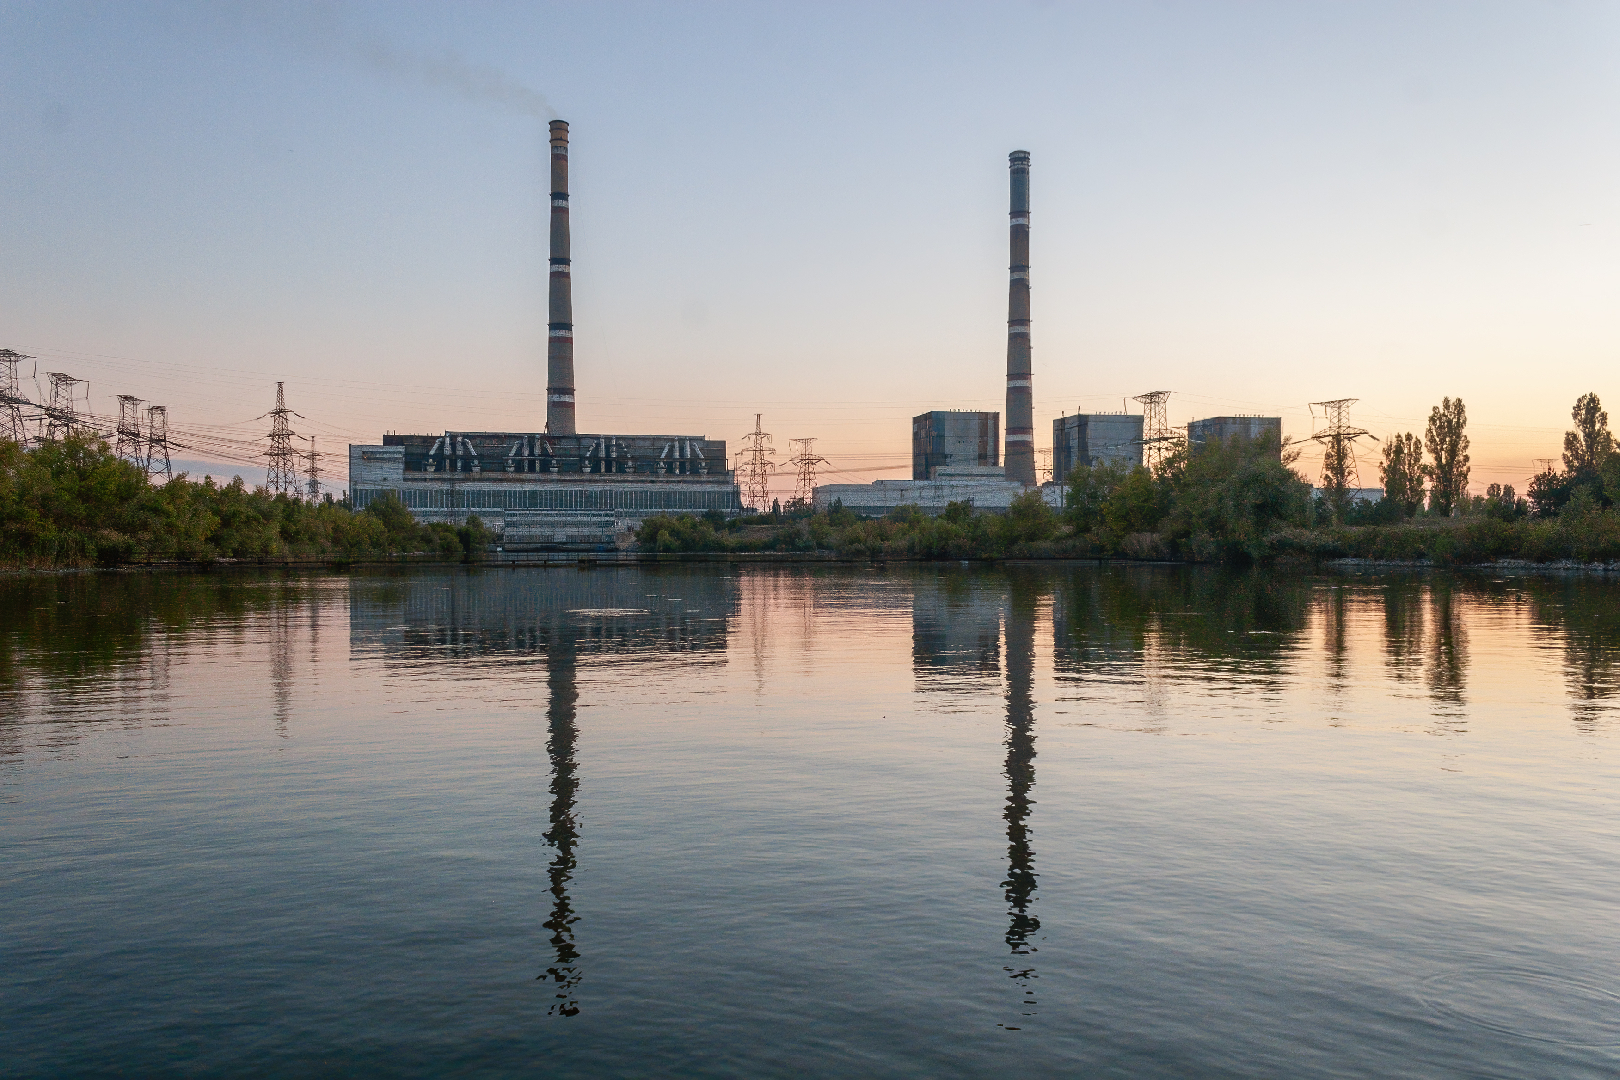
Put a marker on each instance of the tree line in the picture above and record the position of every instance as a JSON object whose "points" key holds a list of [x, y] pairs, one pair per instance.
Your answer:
{"points": [[1240, 500], [73, 502]]}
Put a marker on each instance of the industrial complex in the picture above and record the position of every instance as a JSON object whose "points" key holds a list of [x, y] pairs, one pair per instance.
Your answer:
{"points": [[558, 488]]}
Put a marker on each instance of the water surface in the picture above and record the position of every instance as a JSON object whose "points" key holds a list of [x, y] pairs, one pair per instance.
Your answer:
{"points": [[708, 821]]}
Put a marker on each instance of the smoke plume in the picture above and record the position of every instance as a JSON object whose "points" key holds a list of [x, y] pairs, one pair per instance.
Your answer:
{"points": [[447, 71]]}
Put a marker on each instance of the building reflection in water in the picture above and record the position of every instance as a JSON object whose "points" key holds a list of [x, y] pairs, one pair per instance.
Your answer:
{"points": [[1020, 742], [564, 832], [565, 619], [973, 636]]}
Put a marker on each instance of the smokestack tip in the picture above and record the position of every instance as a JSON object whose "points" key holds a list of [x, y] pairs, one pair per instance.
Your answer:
{"points": [[1018, 158], [559, 131]]}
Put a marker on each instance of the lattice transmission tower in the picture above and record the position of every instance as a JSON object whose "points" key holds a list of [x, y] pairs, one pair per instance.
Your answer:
{"points": [[157, 443], [312, 473], [130, 442], [282, 476], [1159, 440], [62, 414], [804, 460], [755, 464], [12, 428], [1339, 472]]}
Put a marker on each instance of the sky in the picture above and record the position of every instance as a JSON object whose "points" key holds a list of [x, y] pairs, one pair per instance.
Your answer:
{"points": [[800, 211]]}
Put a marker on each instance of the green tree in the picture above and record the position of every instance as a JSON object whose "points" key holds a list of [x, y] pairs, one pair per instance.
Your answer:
{"points": [[1402, 472], [1141, 500], [1447, 443], [1088, 489], [1338, 456], [1229, 498], [1028, 520], [1589, 447]]}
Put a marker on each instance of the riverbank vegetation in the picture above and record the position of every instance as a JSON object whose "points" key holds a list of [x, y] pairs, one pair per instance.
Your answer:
{"points": [[74, 503], [1239, 501]]}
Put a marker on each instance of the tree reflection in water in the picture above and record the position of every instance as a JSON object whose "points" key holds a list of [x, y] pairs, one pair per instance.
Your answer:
{"points": [[1020, 742], [1448, 657]]}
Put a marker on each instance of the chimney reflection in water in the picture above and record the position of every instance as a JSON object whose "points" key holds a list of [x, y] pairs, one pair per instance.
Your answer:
{"points": [[1020, 743], [564, 831]]}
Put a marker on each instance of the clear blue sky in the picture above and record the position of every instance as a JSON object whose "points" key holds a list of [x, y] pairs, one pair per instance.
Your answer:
{"points": [[800, 210]]}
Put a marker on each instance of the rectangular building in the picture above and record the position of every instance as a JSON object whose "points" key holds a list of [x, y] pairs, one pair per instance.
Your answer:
{"points": [[546, 489], [1222, 428], [952, 439], [1094, 439]]}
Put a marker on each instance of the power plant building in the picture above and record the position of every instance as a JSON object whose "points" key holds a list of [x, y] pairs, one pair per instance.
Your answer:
{"points": [[954, 440], [1093, 439], [1222, 428], [554, 488]]}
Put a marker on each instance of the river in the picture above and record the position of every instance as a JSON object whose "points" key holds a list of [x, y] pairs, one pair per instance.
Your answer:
{"points": [[713, 821]]}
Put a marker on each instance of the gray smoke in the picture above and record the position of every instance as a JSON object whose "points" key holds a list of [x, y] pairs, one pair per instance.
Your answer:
{"points": [[447, 71], [321, 27]]}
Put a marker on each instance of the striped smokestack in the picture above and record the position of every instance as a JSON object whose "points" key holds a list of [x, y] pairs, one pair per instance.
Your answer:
{"points": [[560, 349], [1019, 460]]}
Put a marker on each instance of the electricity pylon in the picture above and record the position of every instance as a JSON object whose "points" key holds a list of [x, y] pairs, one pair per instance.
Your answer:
{"points": [[805, 461], [1339, 472], [1159, 441], [282, 476], [11, 398], [157, 443], [128, 445], [755, 464], [61, 415], [312, 472]]}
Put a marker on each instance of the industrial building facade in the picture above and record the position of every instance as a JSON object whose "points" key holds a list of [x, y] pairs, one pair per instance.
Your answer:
{"points": [[1222, 428], [951, 439], [1093, 439], [585, 492]]}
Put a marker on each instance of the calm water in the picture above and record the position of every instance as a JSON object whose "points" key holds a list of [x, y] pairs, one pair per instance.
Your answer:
{"points": [[1143, 821]]}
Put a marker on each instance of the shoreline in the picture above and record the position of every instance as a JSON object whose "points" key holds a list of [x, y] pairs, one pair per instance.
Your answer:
{"points": [[516, 560]]}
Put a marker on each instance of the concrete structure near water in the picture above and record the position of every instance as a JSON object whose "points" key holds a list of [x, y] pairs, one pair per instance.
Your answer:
{"points": [[948, 439], [1093, 439], [929, 496], [1221, 428]]}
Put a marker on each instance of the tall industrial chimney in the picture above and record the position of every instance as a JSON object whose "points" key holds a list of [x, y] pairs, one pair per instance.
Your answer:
{"points": [[1019, 460], [560, 349]]}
